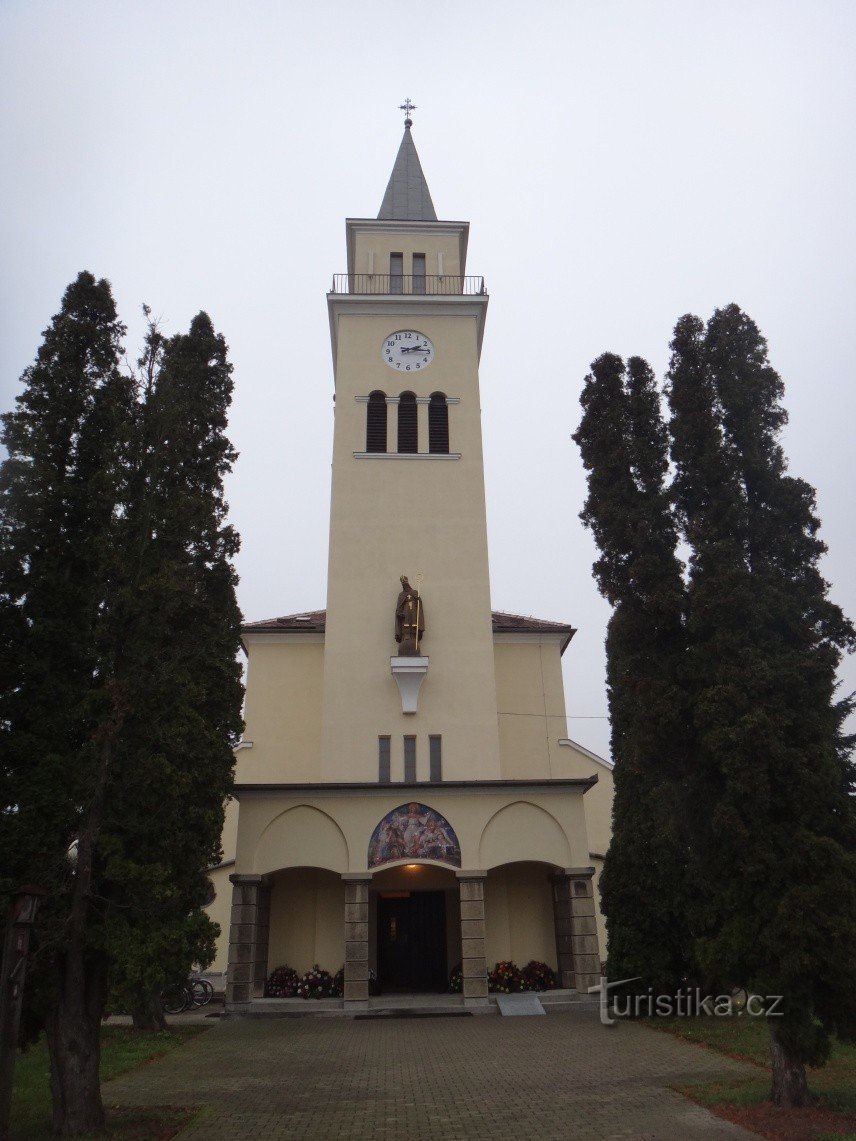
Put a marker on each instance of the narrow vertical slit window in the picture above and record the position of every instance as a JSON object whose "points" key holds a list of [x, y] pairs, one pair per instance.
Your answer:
{"points": [[383, 767], [396, 273], [408, 429], [438, 424], [419, 273], [435, 758], [410, 760], [376, 423]]}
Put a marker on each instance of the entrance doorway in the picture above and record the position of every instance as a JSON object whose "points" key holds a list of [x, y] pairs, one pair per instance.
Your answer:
{"points": [[411, 940]]}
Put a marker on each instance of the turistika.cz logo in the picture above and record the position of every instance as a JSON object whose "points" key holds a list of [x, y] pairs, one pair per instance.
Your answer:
{"points": [[684, 1004]]}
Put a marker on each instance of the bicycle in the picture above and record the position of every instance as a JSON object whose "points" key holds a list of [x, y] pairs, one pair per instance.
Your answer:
{"points": [[190, 995]]}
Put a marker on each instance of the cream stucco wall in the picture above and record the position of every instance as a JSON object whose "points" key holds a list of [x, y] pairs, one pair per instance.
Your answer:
{"points": [[282, 711], [530, 700], [412, 515], [519, 915], [306, 920], [493, 826]]}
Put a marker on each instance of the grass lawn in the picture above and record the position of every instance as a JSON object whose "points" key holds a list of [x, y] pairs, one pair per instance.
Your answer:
{"points": [[122, 1049], [746, 1100]]}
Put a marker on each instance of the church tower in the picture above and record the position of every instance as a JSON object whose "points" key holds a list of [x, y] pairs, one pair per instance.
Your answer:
{"points": [[406, 325], [407, 805]]}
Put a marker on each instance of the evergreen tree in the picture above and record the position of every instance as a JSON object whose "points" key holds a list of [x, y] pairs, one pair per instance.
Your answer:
{"points": [[119, 716], [624, 447], [776, 842], [177, 635], [59, 491]]}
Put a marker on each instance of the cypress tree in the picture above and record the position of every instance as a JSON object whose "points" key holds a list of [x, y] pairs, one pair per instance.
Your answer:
{"points": [[624, 447], [59, 492], [776, 840], [123, 700], [177, 636]]}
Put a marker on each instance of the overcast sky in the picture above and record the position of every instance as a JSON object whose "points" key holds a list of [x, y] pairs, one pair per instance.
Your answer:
{"points": [[621, 163]]}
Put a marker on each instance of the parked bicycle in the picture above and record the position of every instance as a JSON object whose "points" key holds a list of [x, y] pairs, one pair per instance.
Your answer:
{"points": [[190, 995]]}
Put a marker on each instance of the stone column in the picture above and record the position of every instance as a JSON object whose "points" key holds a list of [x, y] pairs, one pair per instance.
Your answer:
{"points": [[473, 964], [356, 939], [576, 932], [248, 938]]}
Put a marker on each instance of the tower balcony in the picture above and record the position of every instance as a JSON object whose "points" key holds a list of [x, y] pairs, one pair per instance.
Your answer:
{"points": [[393, 285]]}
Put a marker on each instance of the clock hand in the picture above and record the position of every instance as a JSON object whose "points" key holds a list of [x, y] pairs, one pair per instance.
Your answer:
{"points": [[415, 349]]}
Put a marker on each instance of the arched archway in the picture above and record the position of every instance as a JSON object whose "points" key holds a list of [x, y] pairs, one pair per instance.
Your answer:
{"points": [[301, 836], [523, 831]]}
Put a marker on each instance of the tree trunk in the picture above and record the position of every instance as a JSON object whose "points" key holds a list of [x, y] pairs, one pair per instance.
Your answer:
{"points": [[147, 1012], [73, 1027], [74, 1043], [790, 1090]]}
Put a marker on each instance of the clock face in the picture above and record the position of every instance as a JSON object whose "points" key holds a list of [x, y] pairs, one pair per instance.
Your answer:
{"points": [[407, 351]]}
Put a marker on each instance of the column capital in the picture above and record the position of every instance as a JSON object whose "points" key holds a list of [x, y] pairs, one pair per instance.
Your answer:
{"points": [[244, 880], [357, 877], [574, 874], [471, 874]]}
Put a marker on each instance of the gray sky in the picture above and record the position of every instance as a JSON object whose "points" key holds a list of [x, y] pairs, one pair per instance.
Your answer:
{"points": [[621, 163]]}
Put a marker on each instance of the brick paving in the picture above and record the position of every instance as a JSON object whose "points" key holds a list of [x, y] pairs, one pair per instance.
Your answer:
{"points": [[485, 1077]]}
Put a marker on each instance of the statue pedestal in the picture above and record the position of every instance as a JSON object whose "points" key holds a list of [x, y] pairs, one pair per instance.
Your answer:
{"points": [[409, 673]]}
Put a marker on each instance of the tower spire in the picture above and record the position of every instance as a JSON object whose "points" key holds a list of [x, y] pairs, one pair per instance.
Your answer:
{"points": [[407, 196]]}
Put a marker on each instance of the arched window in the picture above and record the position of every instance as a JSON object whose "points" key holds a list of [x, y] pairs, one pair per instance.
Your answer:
{"points": [[376, 423], [408, 431], [438, 424]]}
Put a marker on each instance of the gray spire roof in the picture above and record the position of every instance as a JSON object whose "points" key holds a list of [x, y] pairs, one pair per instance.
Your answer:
{"points": [[407, 195]]}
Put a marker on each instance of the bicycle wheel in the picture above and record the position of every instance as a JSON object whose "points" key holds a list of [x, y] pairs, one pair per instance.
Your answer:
{"points": [[201, 991], [176, 999]]}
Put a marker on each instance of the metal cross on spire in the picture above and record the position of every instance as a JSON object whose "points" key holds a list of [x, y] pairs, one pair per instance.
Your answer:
{"points": [[407, 107]]}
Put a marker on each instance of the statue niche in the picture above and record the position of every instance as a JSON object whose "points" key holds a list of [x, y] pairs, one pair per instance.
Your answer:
{"points": [[409, 620]]}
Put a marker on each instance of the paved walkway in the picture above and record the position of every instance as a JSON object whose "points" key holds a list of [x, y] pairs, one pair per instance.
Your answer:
{"points": [[512, 1078]]}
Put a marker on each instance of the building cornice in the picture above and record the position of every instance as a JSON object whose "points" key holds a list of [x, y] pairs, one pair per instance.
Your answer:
{"points": [[373, 788]]}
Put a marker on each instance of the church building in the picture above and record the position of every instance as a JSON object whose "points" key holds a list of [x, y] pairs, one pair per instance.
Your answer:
{"points": [[406, 798]]}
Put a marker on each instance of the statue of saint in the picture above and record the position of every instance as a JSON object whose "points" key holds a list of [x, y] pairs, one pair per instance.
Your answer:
{"points": [[409, 620]]}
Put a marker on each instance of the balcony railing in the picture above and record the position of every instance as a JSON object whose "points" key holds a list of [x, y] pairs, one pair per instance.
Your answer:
{"points": [[411, 284]]}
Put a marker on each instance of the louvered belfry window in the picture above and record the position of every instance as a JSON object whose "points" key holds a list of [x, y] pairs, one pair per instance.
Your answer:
{"points": [[438, 425], [376, 423], [408, 431]]}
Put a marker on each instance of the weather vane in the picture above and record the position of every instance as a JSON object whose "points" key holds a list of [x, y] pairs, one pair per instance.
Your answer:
{"points": [[407, 107]]}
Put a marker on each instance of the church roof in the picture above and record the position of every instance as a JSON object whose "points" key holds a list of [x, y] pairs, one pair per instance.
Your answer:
{"points": [[314, 621], [407, 195]]}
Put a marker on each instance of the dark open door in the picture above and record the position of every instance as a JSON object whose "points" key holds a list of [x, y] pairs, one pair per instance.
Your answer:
{"points": [[412, 942]]}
